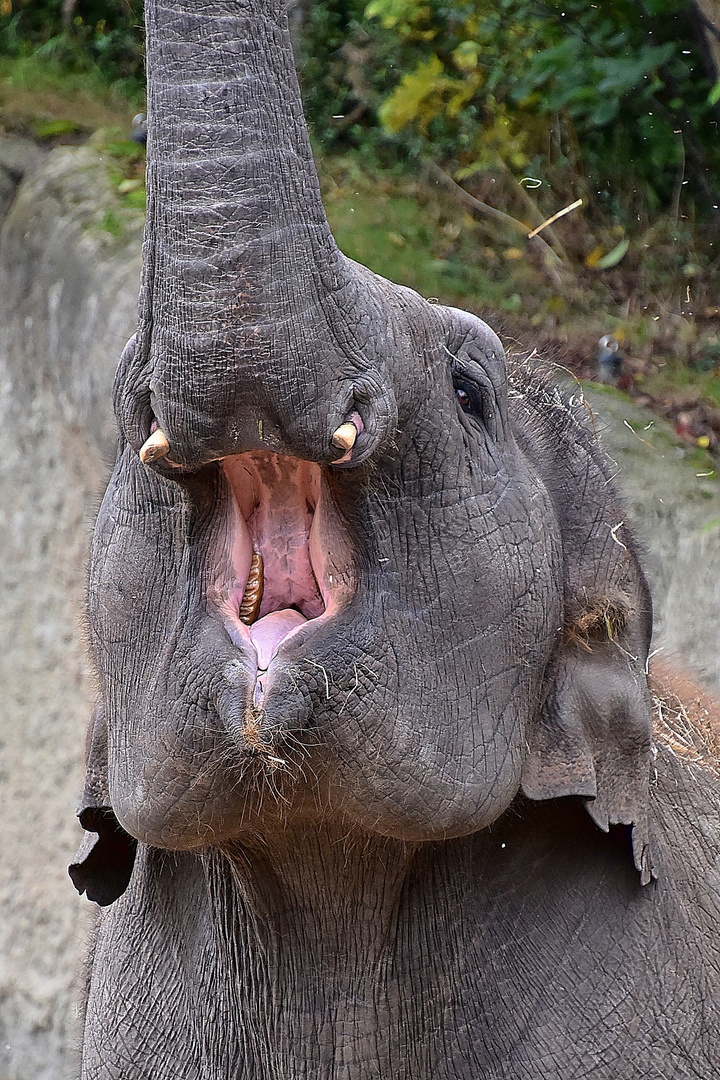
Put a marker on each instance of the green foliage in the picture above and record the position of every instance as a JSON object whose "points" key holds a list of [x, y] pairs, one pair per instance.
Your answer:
{"points": [[323, 69], [410, 234], [565, 90], [124, 150], [51, 128], [103, 37], [560, 89], [135, 199], [607, 101]]}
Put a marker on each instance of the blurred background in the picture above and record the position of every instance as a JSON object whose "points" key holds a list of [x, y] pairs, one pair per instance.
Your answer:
{"points": [[419, 107], [446, 135]]}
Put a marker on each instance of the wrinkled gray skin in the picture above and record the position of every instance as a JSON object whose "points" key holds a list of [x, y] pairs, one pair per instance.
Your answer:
{"points": [[370, 873]]}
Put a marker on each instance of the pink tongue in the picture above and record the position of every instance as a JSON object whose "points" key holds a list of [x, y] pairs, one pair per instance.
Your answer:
{"points": [[268, 632]]}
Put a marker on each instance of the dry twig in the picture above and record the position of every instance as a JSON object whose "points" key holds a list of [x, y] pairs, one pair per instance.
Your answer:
{"points": [[552, 259]]}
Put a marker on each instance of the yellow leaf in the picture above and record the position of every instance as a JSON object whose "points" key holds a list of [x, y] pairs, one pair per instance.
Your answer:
{"points": [[703, 441], [463, 93], [412, 99], [595, 256]]}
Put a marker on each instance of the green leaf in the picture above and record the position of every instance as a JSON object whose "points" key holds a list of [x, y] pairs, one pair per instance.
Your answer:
{"points": [[55, 127], [395, 13], [714, 95], [124, 148], [623, 74], [605, 111], [466, 55], [112, 224], [613, 257]]}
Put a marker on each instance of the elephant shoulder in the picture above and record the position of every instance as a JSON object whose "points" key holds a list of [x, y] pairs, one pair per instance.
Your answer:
{"points": [[686, 717], [685, 785], [599, 973]]}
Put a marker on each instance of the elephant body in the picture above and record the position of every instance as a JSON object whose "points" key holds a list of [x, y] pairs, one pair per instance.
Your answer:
{"points": [[371, 786], [528, 951]]}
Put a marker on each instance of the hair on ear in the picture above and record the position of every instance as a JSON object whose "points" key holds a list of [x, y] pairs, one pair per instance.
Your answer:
{"points": [[596, 618]]}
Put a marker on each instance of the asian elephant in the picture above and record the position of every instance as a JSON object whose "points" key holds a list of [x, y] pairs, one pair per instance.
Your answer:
{"points": [[372, 791]]}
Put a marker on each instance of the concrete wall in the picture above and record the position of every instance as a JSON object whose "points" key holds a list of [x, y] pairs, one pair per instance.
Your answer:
{"points": [[67, 306]]}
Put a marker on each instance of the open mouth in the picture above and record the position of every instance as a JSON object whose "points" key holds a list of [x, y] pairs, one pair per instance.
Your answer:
{"points": [[272, 574]]}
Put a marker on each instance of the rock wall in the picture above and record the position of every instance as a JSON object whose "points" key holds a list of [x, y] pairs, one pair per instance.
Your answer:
{"points": [[67, 306], [672, 493]]}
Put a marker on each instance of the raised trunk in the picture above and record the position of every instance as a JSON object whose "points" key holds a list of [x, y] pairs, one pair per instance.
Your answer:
{"points": [[231, 175], [242, 278]]}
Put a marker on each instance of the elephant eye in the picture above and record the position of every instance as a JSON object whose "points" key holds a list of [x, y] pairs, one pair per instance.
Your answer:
{"points": [[470, 398]]}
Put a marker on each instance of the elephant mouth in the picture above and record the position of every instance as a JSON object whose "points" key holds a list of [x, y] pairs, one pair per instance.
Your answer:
{"points": [[272, 573]]}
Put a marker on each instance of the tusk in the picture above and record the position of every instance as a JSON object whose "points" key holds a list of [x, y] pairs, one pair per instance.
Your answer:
{"points": [[154, 448], [345, 436]]}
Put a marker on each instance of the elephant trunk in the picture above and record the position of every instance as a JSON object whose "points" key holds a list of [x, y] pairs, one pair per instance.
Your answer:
{"points": [[241, 275]]}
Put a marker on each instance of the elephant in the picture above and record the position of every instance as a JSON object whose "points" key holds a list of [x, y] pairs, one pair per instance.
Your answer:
{"points": [[372, 786]]}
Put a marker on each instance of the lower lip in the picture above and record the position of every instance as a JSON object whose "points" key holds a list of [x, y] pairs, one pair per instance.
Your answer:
{"points": [[264, 646]]}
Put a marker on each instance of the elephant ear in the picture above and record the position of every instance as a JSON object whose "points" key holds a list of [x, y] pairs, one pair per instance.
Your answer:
{"points": [[104, 861], [593, 737], [593, 734]]}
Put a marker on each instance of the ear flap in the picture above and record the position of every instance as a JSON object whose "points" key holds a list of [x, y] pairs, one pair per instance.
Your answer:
{"points": [[593, 739], [593, 734], [104, 861]]}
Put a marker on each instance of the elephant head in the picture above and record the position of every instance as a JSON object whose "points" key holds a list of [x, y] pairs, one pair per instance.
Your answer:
{"points": [[364, 569]]}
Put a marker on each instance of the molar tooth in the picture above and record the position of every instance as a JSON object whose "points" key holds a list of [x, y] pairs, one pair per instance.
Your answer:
{"points": [[344, 437], [154, 448], [252, 596]]}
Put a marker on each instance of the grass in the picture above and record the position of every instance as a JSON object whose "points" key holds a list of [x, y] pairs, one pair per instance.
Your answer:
{"points": [[38, 97], [409, 229], [678, 380], [415, 235], [658, 302]]}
